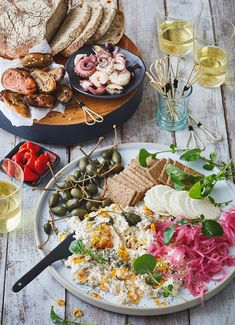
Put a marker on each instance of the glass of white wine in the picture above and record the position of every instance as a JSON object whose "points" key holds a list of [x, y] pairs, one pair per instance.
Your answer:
{"points": [[176, 25], [11, 180], [212, 49]]}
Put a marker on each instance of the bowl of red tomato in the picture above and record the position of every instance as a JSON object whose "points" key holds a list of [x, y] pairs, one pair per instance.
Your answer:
{"points": [[35, 161]]}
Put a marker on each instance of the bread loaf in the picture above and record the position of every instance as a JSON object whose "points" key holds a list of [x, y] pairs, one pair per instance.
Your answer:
{"points": [[24, 24]]}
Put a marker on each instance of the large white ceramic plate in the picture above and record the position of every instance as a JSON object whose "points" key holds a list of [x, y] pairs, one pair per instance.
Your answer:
{"points": [[223, 192]]}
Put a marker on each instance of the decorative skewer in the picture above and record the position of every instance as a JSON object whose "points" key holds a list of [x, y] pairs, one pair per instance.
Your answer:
{"points": [[96, 118]]}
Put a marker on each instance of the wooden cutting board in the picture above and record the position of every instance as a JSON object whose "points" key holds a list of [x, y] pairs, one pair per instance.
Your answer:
{"points": [[74, 114]]}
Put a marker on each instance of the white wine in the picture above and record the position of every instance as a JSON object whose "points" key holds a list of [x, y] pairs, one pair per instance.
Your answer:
{"points": [[176, 37], [10, 206], [213, 61]]}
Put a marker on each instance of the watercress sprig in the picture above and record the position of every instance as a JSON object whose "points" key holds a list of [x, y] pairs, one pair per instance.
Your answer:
{"points": [[145, 264], [59, 320], [210, 228], [77, 247]]}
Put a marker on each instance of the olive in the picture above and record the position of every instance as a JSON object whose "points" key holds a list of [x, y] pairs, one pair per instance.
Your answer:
{"points": [[132, 218], [80, 213], [106, 154], [83, 162], [54, 199], [65, 196], [91, 206], [77, 193], [72, 204], [63, 184], [117, 169], [77, 174], [116, 157], [47, 228], [106, 202], [91, 170], [59, 210], [91, 188]]}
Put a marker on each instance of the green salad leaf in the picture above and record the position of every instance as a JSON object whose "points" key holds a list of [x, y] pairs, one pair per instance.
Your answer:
{"points": [[144, 264]]}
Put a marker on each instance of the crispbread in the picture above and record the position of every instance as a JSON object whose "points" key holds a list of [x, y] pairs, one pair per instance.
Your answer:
{"points": [[156, 169], [71, 28], [119, 193], [89, 30], [142, 170], [150, 161], [115, 31], [163, 178], [109, 7], [127, 181]]}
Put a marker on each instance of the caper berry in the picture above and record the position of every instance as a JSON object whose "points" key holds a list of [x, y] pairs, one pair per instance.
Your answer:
{"points": [[80, 213], [132, 218], [96, 162], [47, 228], [96, 181], [116, 157], [91, 188], [117, 169], [63, 184], [83, 162], [91, 170], [53, 200], [72, 179], [59, 210], [91, 206], [106, 202], [106, 154], [77, 174], [65, 196], [72, 204], [77, 193], [106, 162]]}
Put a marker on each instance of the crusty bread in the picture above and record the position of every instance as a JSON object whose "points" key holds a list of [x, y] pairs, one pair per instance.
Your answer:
{"points": [[109, 7], [115, 31], [26, 23], [89, 30], [72, 27]]}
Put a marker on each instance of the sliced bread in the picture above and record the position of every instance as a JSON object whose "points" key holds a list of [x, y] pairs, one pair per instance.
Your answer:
{"points": [[71, 28], [115, 31], [109, 7], [89, 30]]}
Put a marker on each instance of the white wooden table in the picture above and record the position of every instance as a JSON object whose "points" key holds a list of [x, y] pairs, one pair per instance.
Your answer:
{"points": [[17, 249]]}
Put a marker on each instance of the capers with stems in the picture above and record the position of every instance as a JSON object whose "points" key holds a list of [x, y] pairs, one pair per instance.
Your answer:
{"points": [[72, 204], [77, 174], [59, 210], [116, 157], [106, 202], [83, 162], [132, 218], [77, 193], [65, 195], [79, 212], [92, 206], [106, 154], [47, 228], [116, 168], [54, 199], [91, 188], [63, 184], [91, 170]]}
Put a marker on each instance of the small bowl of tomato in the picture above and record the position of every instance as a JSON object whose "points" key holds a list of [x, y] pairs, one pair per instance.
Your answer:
{"points": [[34, 160]]}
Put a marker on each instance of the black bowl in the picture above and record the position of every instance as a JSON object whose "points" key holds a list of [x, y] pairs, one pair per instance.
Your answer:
{"points": [[132, 60]]}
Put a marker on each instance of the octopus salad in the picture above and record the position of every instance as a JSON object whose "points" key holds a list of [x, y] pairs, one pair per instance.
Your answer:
{"points": [[105, 71]]}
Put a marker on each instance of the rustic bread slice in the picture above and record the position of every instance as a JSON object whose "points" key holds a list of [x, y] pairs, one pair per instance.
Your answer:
{"points": [[24, 24], [72, 27], [89, 30], [119, 193], [115, 31], [109, 7], [156, 169]]}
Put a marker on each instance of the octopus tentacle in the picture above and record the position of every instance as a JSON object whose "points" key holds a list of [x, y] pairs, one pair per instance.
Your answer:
{"points": [[86, 66]]}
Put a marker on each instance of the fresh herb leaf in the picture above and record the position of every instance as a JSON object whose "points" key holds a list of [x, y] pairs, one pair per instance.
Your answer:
{"points": [[144, 264], [182, 221], [169, 290], [173, 148], [213, 157], [211, 228], [76, 247], [168, 234], [208, 166], [156, 277], [53, 315], [195, 191], [178, 177], [191, 154], [177, 183], [143, 155]]}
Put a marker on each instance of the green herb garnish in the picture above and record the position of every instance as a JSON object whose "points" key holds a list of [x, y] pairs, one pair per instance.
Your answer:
{"points": [[168, 234], [211, 228], [144, 154], [77, 247], [167, 293], [59, 320]]}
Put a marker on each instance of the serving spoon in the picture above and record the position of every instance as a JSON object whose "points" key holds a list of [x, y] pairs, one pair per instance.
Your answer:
{"points": [[60, 252]]}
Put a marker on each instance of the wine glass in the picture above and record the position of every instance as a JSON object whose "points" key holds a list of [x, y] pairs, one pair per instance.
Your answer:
{"points": [[212, 49], [176, 26], [11, 180]]}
